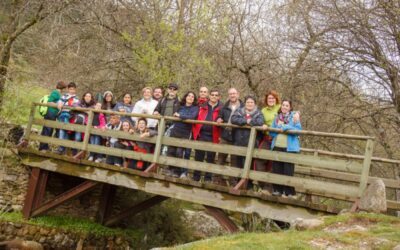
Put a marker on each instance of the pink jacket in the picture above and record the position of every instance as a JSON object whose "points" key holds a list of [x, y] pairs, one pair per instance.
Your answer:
{"points": [[101, 120]]}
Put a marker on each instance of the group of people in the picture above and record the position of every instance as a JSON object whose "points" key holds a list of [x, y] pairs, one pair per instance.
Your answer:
{"points": [[204, 106]]}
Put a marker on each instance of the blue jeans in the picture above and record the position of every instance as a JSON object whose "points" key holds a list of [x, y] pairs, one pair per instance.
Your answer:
{"points": [[63, 134], [46, 131], [95, 140]]}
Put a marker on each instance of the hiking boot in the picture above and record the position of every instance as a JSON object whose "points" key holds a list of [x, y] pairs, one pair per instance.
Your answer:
{"points": [[90, 158], [276, 193], [183, 176], [99, 160]]}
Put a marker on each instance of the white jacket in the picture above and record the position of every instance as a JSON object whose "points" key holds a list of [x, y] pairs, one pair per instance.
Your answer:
{"points": [[145, 107]]}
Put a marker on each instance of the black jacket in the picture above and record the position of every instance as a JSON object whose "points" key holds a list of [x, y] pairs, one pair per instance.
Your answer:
{"points": [[162, 105], [241, 135], [224, 114]]}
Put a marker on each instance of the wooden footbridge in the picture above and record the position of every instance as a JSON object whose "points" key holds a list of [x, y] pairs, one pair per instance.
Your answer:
{"points": [[321, 176]]}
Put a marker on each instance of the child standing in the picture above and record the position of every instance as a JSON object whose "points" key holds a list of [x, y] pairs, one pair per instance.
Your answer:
{"points": [[140, 146], [99, 121], [114, 124], [67, 100]]}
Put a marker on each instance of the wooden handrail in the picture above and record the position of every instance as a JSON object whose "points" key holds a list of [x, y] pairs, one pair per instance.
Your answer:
{"points": [[171, 118]]}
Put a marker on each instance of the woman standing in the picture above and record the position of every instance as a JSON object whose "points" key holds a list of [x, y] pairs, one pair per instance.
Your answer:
{"points": [[248, 115], [285, 143], [108, 103], [126, 107], [272, 106], [187, 110]]}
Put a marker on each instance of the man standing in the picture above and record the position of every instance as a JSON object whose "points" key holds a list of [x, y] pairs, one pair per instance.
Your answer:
{"points": [[225, 117], [52, 113], [209, 111], [158, 93], [203, 95], [146, 106], [169, 104]]}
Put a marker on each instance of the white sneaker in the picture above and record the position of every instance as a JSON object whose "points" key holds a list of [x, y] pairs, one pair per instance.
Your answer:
{"points": [[118, 165], [99, 160], [90, 158], [183, 176]]}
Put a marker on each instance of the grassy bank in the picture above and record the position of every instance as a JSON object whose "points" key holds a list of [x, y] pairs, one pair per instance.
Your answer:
{"points": [[71, 225], [349, 231], [18, 98]]}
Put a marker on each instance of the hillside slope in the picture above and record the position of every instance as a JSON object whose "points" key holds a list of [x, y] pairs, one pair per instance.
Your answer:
{"points": [[348, 231]]}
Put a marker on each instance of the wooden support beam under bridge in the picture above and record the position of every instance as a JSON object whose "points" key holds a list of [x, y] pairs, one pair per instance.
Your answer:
{"points": [[276, 208]]}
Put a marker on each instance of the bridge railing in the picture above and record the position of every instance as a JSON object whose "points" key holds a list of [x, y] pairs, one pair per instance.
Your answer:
{"points": [[358, 166]]}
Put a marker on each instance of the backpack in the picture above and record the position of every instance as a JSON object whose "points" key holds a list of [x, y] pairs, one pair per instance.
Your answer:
{"points": [[43, 109]]}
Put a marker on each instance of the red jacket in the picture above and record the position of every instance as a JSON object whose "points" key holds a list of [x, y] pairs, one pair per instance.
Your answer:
{"points": [[203, 110]]}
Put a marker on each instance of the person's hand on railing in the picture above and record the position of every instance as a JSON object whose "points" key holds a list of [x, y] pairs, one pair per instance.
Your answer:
{"points": [[59, 106], [156, 113], [176, 114], [220, 120], [131, 131], [145, 135], [264, 126], [296, 117]]}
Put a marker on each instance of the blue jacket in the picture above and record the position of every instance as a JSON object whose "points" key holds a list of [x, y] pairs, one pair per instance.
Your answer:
{"points": [[293, 143], [181, 129]]}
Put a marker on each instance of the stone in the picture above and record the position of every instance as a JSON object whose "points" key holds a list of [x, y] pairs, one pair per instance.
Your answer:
{"points": [[44, 231], [305, 224], [79, 246], [32, 230], [6, 152], [374, 197], [397, 247], [58, 238], [10, 177], [118, 241], [17, 207]]}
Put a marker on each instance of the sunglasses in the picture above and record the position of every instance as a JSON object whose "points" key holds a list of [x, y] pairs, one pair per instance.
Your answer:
{"points": [[174, 89]]}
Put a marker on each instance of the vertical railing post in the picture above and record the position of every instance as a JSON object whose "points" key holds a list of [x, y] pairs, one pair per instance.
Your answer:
{"points": [[30, 122], [366, 166], [249, 153], [161, 131], [87, 130]]}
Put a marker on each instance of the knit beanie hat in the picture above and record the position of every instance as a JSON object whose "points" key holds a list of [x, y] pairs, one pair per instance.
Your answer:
{"points": [[107, 93]]}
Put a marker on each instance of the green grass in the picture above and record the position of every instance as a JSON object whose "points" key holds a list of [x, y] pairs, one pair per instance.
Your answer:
{"points": [[17, 101], [379, 227], [71, 224]]}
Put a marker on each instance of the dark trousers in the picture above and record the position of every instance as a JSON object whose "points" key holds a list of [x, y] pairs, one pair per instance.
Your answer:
{"points": [[200, 155], [263, 165], [112, 160], [178, 152], [283, 168], [47, 131]]}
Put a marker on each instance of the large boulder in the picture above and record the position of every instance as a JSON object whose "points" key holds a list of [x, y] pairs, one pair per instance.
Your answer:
{"points": [[305, 224], [374, 197]]}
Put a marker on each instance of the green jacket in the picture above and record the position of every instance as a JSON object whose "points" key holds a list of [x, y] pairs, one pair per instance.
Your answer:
{"points": [[269, 114], [54, 97]]}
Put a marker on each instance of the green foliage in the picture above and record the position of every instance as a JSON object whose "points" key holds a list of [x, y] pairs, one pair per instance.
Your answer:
{"points": [[18, 98], [70, 224], [163, 53], [162, 225]]}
